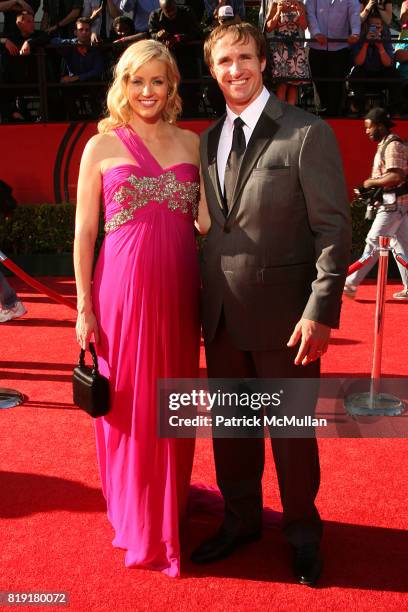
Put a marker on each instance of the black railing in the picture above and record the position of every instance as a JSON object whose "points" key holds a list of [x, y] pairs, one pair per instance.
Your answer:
{"points": [[203, 79]]}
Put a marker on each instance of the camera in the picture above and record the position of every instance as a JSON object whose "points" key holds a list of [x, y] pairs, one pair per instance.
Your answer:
{"points": [[370, 197]]}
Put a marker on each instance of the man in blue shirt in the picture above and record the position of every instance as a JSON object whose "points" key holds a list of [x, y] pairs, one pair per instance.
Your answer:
{"points": [[141, 11], [374, 58], [331, 19], [83, 63]]}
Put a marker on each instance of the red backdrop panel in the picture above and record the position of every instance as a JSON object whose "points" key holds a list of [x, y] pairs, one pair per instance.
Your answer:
{"points": [[41, 162]]}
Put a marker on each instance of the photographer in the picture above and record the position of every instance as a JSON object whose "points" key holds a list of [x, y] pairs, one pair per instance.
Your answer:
{"points": [[374, 58], [389, 172]]}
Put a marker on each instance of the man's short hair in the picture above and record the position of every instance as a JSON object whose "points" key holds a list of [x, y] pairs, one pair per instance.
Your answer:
{"points": [[22, 14], [242, 33], [122, 20], [83, 20], [379, 116]]}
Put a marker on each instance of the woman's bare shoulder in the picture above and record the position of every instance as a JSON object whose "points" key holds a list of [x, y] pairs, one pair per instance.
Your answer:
{"points": [[189, 137], [100, 145], [190, 142], [100, 141]]}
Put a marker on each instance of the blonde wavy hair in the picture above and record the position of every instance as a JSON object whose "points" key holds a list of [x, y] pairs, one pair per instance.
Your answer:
{"points": [[135, 56]]}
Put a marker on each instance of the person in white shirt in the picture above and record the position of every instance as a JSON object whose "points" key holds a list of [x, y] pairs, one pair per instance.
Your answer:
{"points": [[102, 15]]}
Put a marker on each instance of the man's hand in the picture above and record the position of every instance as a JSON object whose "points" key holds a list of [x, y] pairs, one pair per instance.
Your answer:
{"points": [[314, 340], [162, 36], [11, 47], [370, 5], [69, 79], [321, 39], [25, 49], [96, 12], [372, 36], [25, 6], [353, 39], [94, 38]]}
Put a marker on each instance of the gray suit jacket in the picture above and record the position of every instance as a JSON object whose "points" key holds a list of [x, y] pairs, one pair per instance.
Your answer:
{"points": [[282, 252]]}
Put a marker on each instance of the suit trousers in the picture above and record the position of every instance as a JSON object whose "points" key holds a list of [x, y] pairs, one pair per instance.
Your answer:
{"points": [[239, 462], [325, 64]]}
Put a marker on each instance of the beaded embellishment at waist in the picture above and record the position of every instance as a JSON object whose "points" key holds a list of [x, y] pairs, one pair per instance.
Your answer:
{"points": [[179, 195]]}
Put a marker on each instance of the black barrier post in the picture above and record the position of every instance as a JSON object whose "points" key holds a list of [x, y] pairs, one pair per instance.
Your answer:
{"points": [[42, 78]]}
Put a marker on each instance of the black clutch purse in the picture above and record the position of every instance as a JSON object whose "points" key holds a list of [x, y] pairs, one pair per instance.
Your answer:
{"points": [[90, 389]]}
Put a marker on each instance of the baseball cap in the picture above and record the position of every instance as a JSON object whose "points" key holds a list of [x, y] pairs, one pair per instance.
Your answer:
{"points": [[226, 12]]}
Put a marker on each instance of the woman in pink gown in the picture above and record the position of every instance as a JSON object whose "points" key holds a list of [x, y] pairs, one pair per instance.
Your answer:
{"points": [[143, 304]]}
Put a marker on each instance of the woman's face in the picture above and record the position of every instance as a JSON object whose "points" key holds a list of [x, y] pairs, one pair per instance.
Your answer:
{"points": [[148, 90]]}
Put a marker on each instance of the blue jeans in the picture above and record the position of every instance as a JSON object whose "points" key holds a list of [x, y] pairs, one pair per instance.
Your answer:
{"points": [[8, 296], [385, 224]]}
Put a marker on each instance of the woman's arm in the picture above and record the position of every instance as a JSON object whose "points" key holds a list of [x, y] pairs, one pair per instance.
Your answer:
{"points": [[366, 10], [302, 21], [86, 229], [113, 9], [404, 13], [273, 15], [360, 58], [386, 13], [203, 221]]}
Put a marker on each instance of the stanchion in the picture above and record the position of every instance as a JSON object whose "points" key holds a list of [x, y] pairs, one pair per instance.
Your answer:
{"points": [[9, 398], [373, 402]]}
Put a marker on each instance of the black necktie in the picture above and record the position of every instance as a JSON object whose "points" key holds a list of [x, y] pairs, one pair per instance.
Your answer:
{"points": [[234, 161]]}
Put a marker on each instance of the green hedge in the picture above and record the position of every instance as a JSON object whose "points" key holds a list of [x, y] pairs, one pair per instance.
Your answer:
{"points": [[44, 228], [49, 228]]}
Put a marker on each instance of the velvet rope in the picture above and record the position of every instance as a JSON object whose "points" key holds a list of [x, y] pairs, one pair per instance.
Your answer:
{"points": [[401, 259], [34, 283], [360, 263]]}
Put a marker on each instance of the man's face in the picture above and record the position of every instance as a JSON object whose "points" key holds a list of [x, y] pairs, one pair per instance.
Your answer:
{"points": [[170, 10], [122, 29], [83, 33], [238, 71], [374, 131], [26, 24]]}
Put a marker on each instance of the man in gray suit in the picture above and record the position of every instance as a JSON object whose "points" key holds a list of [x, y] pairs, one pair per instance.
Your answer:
{"points": [[273, 269]]}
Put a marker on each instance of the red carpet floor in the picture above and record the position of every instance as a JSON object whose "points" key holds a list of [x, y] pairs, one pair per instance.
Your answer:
{"points": [[54, 535]]}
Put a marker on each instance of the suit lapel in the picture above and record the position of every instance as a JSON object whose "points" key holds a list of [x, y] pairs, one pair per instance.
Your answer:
{"points": [[263, 133], [212, 146]]}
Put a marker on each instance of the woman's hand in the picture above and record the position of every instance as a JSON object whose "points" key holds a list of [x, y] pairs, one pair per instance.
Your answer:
{"points": [[86, 326]]}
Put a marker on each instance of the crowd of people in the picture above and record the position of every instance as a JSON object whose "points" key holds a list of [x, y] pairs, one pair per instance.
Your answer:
{"points": [[345, 50]]}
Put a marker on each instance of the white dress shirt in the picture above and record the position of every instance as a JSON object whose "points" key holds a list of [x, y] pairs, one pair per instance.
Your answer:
{"points": [[250, 117]]}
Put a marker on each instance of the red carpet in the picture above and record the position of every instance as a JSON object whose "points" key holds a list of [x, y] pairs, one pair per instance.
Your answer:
{"points": [[54, 534]]}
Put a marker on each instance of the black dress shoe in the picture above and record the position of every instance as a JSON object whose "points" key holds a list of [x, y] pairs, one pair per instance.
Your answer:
{"points": [[307, 564], [221, 545]]}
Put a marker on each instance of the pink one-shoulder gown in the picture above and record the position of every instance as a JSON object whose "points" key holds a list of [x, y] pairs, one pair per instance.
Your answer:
{"points": [[145, 296]]}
